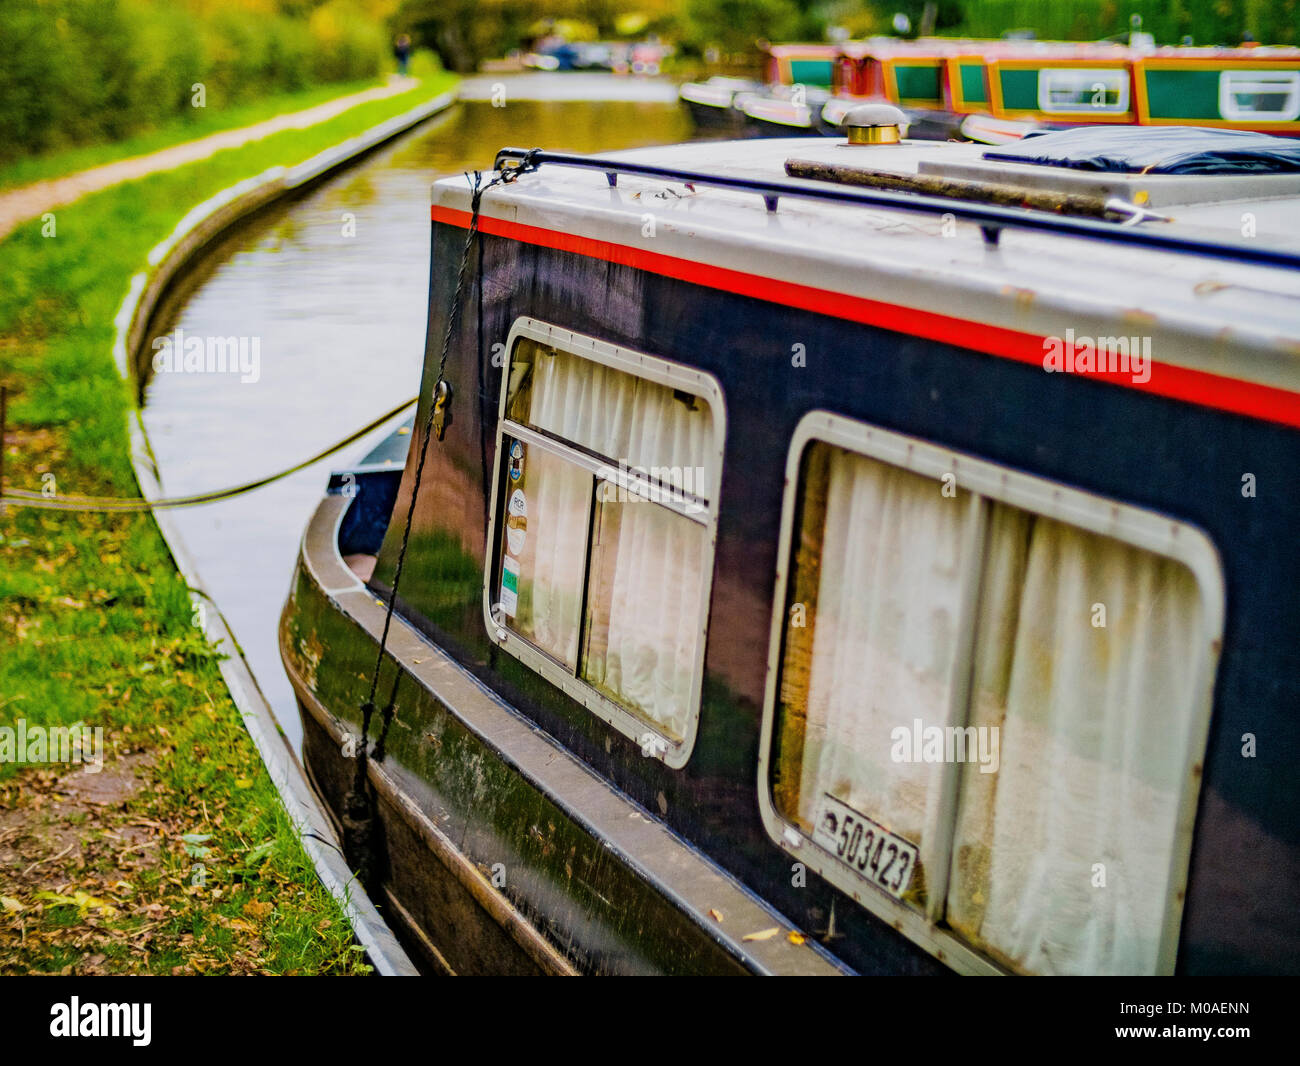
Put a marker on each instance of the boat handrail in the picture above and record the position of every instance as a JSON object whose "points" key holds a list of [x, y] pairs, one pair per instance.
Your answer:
{"points": [[991, 219]]}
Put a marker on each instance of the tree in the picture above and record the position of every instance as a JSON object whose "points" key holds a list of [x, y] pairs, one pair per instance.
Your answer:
{"points": [[734, 25]]}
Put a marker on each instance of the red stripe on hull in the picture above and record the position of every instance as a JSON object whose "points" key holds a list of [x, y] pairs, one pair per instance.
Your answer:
{"points": [[1175, 382]]}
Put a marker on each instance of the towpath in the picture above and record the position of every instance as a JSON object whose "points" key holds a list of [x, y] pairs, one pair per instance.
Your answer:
{"points": [[28, 201]]}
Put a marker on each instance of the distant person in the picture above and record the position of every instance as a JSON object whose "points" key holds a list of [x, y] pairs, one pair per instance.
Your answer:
{"points": [[402, 49]]}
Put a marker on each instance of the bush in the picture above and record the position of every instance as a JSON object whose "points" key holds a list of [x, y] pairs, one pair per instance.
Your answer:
{"points": [[425, 63], [346, 44], [734, 25], [80, 71]]}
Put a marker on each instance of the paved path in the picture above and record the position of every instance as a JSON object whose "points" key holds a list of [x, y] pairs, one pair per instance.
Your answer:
{"points": [[27, 201]]}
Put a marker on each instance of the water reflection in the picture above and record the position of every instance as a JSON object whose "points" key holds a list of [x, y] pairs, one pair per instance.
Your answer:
{"points": [[333, 288]]}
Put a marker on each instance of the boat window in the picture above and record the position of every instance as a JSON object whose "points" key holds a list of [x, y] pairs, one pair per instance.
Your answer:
{"points": [[1075, 90], [815, 72], [603, 524], [988, 703], [1273, 95]]}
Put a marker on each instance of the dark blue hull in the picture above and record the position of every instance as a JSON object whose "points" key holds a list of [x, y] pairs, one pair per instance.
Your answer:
{"points": [[1186, 461]]}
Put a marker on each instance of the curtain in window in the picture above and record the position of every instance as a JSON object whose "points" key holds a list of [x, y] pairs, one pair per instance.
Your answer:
{"points": [[886, 632], [1095, 732], [557, 501], [644, 629], [622, 417], [647, 571]]}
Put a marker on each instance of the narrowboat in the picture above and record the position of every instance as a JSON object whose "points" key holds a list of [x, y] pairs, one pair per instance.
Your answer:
{"points": [[912, 75], [713, 104], [1228, 88], [821, 556], [998, 91], [941, 82], [785, 111], [796, 83]]}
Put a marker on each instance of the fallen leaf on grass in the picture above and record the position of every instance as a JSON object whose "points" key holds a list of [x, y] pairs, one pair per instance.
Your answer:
{"points": [[257, 909], [194, 844], [83, 901]]}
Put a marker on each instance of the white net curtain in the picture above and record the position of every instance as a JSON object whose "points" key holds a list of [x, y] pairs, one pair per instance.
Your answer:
{"points": [[1060, 860], [644, 630], [644, 604], [621, 417], [1063, 858], [885, 640], [553, 558]]}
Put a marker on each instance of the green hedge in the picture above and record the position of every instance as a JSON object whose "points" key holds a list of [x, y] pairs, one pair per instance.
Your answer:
{"points": [[80, 71]]}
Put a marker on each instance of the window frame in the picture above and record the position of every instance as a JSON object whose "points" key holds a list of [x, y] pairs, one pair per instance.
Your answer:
{"points": [[1048, 75], [988, 482], [1228, 102], [652, 740]]}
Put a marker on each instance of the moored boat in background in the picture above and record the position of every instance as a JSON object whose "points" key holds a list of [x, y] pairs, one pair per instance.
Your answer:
{"points": [[796, 80], [1028, 86], [713, 103]]}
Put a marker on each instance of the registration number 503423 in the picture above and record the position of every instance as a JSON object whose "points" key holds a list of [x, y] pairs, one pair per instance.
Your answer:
{"points": [[883, 858]]}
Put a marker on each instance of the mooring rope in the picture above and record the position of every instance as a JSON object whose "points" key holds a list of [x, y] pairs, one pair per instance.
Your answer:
{"points": [[135, 505], [358, 813]]}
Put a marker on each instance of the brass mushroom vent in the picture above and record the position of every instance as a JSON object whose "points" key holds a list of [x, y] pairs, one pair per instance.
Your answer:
{"points": [[874, 124]]}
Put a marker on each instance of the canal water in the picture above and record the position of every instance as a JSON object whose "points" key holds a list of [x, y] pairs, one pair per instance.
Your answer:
{"points": [[332, 288]]}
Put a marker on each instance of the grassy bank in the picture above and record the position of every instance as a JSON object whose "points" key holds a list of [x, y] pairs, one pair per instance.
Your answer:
{"points": [[101, 872], [205, 121], [195, 123]]}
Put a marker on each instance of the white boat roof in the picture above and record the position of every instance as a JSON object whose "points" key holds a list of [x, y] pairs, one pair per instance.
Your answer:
{"points": [[1216, 316]]}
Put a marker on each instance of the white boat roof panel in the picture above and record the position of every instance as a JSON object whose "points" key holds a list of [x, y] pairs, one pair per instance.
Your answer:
{"points": [[1221, 316]]}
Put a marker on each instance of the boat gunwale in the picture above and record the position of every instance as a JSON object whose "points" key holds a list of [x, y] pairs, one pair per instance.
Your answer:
{"points": [[673, 868]]}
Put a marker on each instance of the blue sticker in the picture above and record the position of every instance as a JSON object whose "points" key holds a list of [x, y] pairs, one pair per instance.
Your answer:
{"points": [[516, 461]]}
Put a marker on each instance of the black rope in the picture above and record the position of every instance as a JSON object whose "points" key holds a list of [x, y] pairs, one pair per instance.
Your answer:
{"points": [[135, 504], [358, 817]]}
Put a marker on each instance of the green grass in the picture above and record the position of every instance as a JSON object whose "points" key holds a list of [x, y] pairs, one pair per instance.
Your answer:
{"points": [[200, 123], [95, 623]]}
